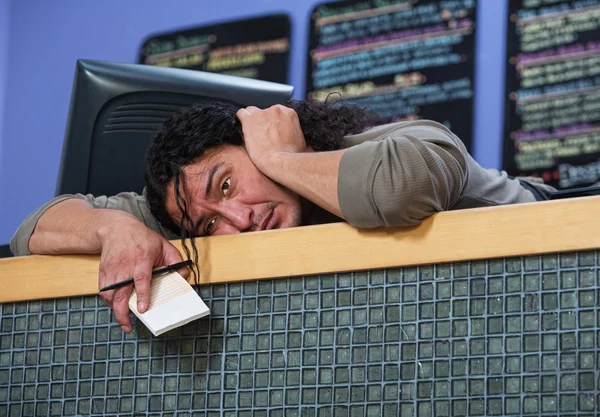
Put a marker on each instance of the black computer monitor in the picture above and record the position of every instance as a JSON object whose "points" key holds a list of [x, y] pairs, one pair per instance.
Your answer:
{"points": [[116, 108]]}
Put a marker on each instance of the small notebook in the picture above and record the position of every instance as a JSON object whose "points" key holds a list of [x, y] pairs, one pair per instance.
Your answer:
{"points": [[173, 303]]}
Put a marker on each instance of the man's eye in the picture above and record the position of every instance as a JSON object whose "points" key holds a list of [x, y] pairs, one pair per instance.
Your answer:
{"points": [[225, 186], [210, 226]]}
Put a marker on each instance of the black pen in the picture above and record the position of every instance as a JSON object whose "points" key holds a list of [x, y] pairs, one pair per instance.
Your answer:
{"points": [[161, 271]]}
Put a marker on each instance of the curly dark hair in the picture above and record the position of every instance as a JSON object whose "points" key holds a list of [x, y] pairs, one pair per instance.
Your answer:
{"points": [[188, 134]]}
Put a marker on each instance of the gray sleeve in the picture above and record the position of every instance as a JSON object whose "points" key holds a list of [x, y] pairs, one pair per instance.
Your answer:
{"points": [[132, 203], [403, 177]]}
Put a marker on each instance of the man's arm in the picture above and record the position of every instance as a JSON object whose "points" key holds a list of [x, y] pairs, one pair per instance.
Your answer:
{"points": [[396, 180], [84, 224]]}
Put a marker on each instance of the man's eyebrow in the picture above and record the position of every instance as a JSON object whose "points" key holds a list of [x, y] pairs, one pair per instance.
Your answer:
{"points": [[211, 176]]}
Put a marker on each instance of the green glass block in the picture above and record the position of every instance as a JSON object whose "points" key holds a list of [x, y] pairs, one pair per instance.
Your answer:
{"points": [[586, 402], [531, 282], [513, 324], [292, 377], [442, 349], [459, 348], [460, 308], [495, 386], [549, 362], [375, 315], [392, 314], [586, 319], [531, 363], [495, 305], [568, 279], [311, 338], [361, 297], [513, 344], [549, 404], [344, 317], [586, 381], [442, 408], [567, 402], [425, 350], [409, 293], [512, 405], [311, 319], [277, 360], [390, 392], [460, 328], [495, 286], [477, 346], [425, 292], [344, 298], [391, 353], [460, 288], [442, 328], [531, 343], [459, 408], [357, 394], [444, 290], [459, 367], [476, 387], [409, 313], [410, 275], [261, 399], [587, 278], [426, 330], [461, 269], [326, 357], [586, 360], [495, 366], [327, 282], [376, 296], [393, 276], [495, 325], [357, 374], [359, 316], [530, 405], [531, 384], [407, 371], [549, 281], [377, 277], [442, 309], [442, 369], [549, 342], [549, 321], [408, 351], [568, 260], [513, 304], [587, 298], [393, 295], [568, 320], [549, 383], [531, 323], [568, 361], [512, 385], [550, 261], [513, 264], [531, 302]]}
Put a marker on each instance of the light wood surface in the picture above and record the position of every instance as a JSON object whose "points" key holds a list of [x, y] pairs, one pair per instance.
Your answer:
{"points": [[485, 233]]}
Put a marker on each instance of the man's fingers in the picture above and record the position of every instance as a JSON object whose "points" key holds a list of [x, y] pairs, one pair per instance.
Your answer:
{"points": [[246, 112], [142, 275], [172, 256], [120, 306]]}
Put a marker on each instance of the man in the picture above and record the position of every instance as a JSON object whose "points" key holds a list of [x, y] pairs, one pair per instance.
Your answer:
{"points": [[221, 169]]}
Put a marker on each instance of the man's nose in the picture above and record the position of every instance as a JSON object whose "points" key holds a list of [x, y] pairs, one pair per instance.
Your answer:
{"points": [[240, 216]]}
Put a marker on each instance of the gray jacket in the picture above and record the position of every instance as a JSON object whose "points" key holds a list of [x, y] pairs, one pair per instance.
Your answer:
{"points": [[391, 175]]}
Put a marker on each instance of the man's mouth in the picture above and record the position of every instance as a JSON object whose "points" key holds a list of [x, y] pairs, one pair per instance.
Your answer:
{"points": [[269, 221]]}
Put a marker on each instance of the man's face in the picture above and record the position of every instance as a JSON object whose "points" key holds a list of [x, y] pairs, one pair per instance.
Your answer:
{"points": [[227, 194]]}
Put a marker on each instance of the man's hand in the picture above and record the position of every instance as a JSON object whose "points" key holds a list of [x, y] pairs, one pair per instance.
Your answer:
{"points": [[130, 249], [271, 132]]}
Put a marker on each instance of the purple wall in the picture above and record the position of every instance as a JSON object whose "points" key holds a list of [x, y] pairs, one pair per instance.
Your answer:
{"points": [[4, 32], [47, 37]]}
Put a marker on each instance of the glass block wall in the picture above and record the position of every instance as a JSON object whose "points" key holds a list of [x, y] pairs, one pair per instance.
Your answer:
{"points": [[502, 337]]}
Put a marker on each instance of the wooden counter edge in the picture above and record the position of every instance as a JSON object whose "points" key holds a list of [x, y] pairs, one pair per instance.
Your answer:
{"points": [[461, 235]]}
